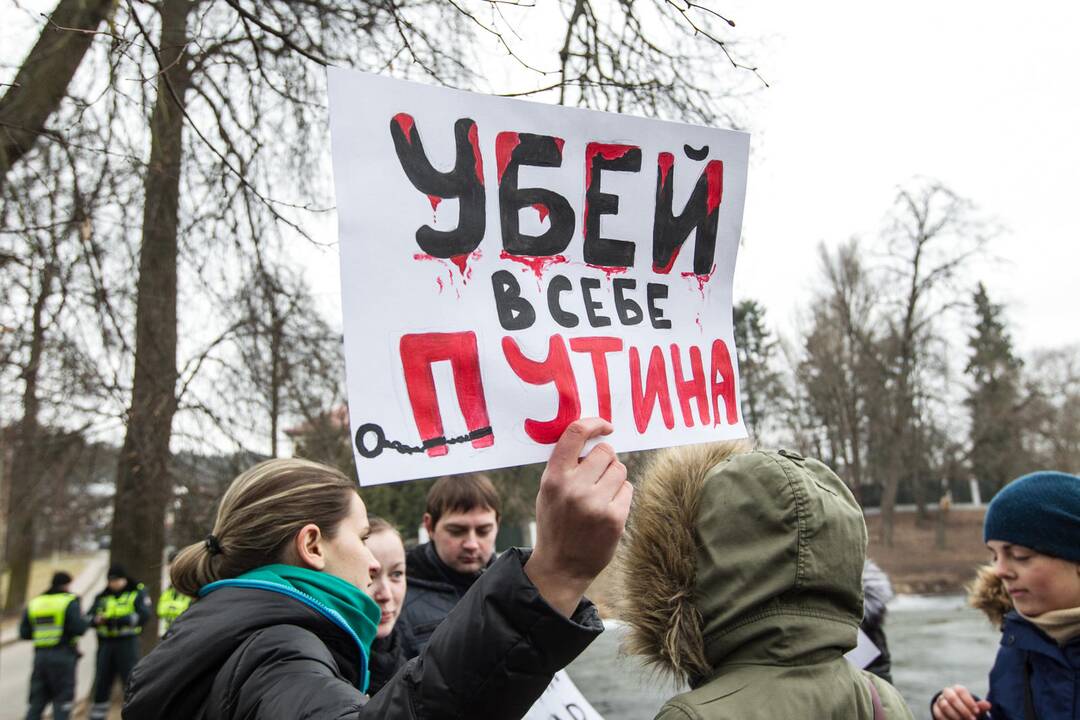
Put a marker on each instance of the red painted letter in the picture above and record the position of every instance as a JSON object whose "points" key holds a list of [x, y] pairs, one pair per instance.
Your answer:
{"points": [[692, 388], [655, 387], [555, 369], [598, 347], [418, 352], [723, 383]]}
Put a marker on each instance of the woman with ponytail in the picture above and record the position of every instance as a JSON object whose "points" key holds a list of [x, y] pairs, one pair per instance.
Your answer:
{"points": [[283, 624]]}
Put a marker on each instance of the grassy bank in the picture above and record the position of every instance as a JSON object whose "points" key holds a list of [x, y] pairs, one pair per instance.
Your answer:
{"points": [[915, 563]]}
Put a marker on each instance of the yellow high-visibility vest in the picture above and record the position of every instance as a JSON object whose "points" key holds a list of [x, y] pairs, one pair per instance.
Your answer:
{"points": [[171, 605], [46, 613], [118, 607]]}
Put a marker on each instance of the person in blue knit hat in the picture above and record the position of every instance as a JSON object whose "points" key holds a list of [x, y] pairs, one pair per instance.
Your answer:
{"points": [[1032, 528]]}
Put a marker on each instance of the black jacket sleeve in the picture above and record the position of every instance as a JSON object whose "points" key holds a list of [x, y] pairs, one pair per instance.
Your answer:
{"points": [[493, 655], [94, 610], [26, 631], [142, 607], [74, 622]]}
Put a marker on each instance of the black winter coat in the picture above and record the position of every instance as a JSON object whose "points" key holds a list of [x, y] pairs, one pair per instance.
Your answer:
{"points": [[433, 591], [386, 659], [244, 653]]}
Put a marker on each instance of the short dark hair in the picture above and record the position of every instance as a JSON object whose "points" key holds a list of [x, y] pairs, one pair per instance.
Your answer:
{"points": [[60, 579], [461, 493]]}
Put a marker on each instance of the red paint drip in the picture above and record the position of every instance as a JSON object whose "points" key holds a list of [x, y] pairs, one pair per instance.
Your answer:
{"points": [[665, 161], [714, 178], [609, 270], [438, 281], [434, 200], [537, 263], [701, 280], [671, 262], [461, 261], [475, 142], [542, 211], [505, 142], [405, 122]]}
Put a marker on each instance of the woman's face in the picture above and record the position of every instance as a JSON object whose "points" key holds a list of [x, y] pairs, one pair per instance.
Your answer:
{"points": [[388, 585], [346, 554], [1036, 583]]}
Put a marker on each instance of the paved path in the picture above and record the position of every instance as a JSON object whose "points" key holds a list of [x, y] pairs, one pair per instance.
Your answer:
{"points": [[17, 657]]}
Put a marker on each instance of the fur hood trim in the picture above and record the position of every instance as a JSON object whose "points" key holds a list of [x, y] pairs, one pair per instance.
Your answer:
{"points": [[987, 593], [657, 559]]}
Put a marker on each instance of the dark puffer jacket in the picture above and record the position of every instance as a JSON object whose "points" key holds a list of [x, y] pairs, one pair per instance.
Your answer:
{"points": [[433, 591], [257, 655], [1054, 672]]}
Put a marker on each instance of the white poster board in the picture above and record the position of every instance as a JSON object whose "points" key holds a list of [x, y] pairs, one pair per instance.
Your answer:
{"points": [[562, 701], [509, 266]]}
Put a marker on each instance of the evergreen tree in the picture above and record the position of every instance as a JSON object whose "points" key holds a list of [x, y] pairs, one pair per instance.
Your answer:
{"points": [[997, 453], [760, 385]]}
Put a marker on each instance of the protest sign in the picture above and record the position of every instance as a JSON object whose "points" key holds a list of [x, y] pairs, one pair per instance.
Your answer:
{"points": [[509, 266], [562, 701]]}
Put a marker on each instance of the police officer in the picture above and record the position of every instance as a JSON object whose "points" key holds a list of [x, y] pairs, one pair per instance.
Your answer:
{"points": [[54, 622], [119, 613], [171, 604]]}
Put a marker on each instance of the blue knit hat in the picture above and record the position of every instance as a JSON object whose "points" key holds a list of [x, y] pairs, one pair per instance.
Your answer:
{"points": [[1040, 511]]}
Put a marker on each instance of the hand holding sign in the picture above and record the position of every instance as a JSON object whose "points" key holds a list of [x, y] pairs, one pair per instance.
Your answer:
{"points": [[581, 511]]}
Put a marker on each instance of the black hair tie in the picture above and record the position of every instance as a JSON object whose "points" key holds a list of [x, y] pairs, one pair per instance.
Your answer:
{"points": [[212, 545]]}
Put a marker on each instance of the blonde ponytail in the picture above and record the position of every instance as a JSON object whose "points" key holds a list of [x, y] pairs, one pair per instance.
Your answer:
{"points": [[260, 513]]}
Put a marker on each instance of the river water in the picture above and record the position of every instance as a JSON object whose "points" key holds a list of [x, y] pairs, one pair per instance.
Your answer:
{"points": [[934, 641]]}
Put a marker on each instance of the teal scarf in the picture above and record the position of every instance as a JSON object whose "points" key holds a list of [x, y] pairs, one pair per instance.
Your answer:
{"points": [[355, 607]]}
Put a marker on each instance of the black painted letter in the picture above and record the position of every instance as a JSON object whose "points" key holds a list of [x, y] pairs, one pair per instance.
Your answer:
{"points": [[513, 150], [515, 312], [606, 252], [465, 182], [701, 214]]}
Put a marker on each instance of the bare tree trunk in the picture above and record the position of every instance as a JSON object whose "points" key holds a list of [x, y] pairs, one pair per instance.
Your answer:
{"points": [[44, 76], [143, 489], [25, 464]]}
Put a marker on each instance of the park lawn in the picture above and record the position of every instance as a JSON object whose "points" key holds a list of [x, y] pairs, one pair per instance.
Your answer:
{"points": [[916, 565]]}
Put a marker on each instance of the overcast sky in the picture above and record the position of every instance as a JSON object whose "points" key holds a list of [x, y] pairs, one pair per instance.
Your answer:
{"points": [[865, 97], [983, 96]]}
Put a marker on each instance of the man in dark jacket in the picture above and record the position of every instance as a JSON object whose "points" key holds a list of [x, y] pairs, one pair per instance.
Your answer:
{"points": [[462, 520], [54, 622], [118, 614]]}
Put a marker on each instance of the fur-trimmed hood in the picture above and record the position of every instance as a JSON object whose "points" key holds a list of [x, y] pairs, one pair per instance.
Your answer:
{"points": [[987, 593], [732, 556]]}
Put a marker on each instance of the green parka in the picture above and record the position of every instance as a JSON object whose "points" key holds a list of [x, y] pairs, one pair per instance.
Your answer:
{"points": [[741, 575]]}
